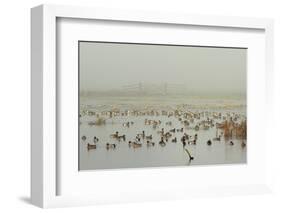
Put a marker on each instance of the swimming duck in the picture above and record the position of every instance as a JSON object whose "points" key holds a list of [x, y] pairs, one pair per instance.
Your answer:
{"points": [[91, 146], [138, 138], [168, 134], [127, 124], [209, 142], [149, 143], [134, 144], [192, 142], [169, 123], [110, 146], [173, 130], [95, 139], [183, 141], [174, 140], [186, 136], [115, 135], [119, 137], [148, 137], [143, 134], [186, 123], [162, 143], [180, 130]]}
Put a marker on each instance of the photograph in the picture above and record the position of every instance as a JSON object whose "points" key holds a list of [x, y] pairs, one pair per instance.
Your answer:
{"points": [[147, 105]]}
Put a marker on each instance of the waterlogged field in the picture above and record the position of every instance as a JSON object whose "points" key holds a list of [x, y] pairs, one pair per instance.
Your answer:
{"points": [[124, 132]]}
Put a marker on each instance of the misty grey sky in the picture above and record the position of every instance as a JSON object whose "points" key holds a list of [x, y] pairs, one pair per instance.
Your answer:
{"points": [[106, 66]]}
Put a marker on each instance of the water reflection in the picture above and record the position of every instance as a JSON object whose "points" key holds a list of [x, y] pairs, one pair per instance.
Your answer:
{"points": [[131, 136]]}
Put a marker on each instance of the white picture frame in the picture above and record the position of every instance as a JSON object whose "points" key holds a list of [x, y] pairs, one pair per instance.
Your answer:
{"points": [[44, 154]]}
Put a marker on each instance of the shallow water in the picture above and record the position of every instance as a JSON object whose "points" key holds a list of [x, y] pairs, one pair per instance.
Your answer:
{"points": [[173, 154]]}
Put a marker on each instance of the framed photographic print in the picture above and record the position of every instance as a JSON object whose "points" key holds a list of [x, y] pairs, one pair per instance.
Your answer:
{"points": [[148, 105], [152, 105]]}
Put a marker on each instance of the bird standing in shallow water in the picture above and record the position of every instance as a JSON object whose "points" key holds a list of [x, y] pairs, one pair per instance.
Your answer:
{"points": [[190, 157]]}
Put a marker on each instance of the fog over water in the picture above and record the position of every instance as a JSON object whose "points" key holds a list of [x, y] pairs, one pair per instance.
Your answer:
{"points": [[201, 70], [158, 105]]}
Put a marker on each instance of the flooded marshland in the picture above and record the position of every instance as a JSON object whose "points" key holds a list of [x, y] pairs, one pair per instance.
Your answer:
{"points": [[154, 105], [133, 132]]}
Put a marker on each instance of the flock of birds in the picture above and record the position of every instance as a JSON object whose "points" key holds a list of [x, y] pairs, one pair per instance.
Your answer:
{"points": [[188, 120]]}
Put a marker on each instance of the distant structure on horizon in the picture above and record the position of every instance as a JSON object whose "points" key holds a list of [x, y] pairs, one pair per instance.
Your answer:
{"points": [[163, 89], [143, 89]]}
